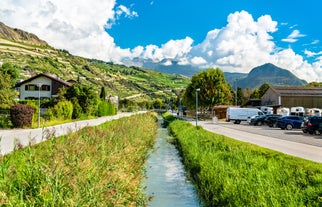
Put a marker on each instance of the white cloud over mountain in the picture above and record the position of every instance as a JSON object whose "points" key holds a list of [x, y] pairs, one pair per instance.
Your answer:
{"points": [[293, 37], [79, 27]]}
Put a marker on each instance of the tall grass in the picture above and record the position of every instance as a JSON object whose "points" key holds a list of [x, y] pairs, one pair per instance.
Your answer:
{"points": [[228, 172], [96, 166]]}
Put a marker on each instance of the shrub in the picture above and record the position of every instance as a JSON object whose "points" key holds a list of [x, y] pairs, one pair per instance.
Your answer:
{"points": [[62, 110], [5, 121], [21, 115], [106, 109], [77, 109]]}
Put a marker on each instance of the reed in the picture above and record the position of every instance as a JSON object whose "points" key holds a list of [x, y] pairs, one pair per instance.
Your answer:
{"points": [[96, 166]]}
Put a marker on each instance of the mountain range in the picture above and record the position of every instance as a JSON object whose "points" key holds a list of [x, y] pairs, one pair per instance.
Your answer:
{"points": [[34, 55], [266, 73]]}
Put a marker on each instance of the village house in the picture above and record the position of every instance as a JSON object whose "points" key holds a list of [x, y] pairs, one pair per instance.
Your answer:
{"points": [[43, 86]]}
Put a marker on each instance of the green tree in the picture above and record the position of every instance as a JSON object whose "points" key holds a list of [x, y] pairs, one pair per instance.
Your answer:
{"points": [[157, 103], [240, 96], [8, 76], [314, 84], [103, 93], [255, 94], [214, 89], [85, 96], [12, 70], [258, 93], [262, 89]]}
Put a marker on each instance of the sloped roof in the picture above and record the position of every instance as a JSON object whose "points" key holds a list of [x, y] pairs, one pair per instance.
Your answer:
{"points": [[50, 76], [297, 90]]}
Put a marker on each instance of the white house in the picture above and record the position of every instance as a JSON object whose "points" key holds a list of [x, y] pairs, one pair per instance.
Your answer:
{"points": [[41, 86]]}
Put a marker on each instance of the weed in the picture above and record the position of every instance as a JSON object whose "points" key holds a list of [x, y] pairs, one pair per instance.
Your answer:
{"points": [[96, 166], [228, 172]]}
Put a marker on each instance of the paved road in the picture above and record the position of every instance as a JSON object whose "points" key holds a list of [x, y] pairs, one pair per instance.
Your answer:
{"points": [[293, 142], [10, 139]]}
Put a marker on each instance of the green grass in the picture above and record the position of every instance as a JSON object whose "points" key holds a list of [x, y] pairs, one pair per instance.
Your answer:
{"points": [[228, 172], [96, 166]]}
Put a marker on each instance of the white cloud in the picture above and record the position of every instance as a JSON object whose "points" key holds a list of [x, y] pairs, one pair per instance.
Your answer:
{"points": [[293, 37], [315, 42], [245, 43], [241, 44], [173, 49], [198, 61], [124, 10], [312, 54], [77, 26]]}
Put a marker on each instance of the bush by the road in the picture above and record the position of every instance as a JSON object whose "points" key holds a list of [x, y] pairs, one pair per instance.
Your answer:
{"points": [[21, 115], [228, 172]]}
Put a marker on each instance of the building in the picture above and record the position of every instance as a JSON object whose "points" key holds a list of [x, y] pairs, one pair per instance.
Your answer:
{"points": [[292, 96], [41, 86]]}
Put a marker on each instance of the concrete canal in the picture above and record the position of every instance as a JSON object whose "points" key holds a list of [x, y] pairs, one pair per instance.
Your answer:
{"points": [[166, 181]]}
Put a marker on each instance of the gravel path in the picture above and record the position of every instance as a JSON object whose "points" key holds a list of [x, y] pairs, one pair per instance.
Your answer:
{"points": [[11, 139]]}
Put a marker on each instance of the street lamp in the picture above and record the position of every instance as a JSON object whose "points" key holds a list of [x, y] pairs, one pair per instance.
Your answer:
{"points": [[198, 89], [236, 82], [39, 86]]}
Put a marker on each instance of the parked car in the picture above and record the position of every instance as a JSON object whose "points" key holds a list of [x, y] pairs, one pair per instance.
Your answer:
{"points": [[289, 122], [262, 119], [312, 125], [271, 120]]}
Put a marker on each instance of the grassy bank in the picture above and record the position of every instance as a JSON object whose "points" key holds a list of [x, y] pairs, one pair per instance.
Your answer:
{"points": [[96, 166], [228, 172]]}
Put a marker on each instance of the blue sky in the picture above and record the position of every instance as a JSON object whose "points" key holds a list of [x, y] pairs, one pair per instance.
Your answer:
{"points": [[234, 35], [160, 21]]}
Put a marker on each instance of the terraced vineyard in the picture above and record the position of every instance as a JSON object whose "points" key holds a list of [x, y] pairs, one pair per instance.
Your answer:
{"points": [[36, 56]]}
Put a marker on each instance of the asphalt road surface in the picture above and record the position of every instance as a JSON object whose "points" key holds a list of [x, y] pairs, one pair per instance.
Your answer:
{"points": [[293, 142]]}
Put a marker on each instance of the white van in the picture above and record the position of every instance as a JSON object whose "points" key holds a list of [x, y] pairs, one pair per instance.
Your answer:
{"points": [[241, 114]]}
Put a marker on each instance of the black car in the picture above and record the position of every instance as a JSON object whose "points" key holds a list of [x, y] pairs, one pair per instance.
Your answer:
{"points": [[263, 119], [272, 119], [289, 122], [257, 120], [312, 125]]}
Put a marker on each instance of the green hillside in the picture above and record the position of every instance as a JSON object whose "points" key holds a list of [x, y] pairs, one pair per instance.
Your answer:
{"points": [[35, 56]]}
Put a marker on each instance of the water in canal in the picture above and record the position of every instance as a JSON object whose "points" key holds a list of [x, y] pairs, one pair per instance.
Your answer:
{"points": [[166, 180]]}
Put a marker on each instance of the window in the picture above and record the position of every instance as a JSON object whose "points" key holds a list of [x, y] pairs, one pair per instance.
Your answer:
{"points": [[33, 87], [45, 87]]}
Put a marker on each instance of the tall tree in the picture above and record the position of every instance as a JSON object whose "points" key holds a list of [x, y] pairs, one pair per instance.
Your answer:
{"points": [[262, 89], [214, 89], [240, 96], [8, 76], [258, 93], [103, 93]]}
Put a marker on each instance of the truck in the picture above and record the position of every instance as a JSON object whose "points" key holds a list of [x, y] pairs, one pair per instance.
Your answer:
{"points": [[241, 114]]}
